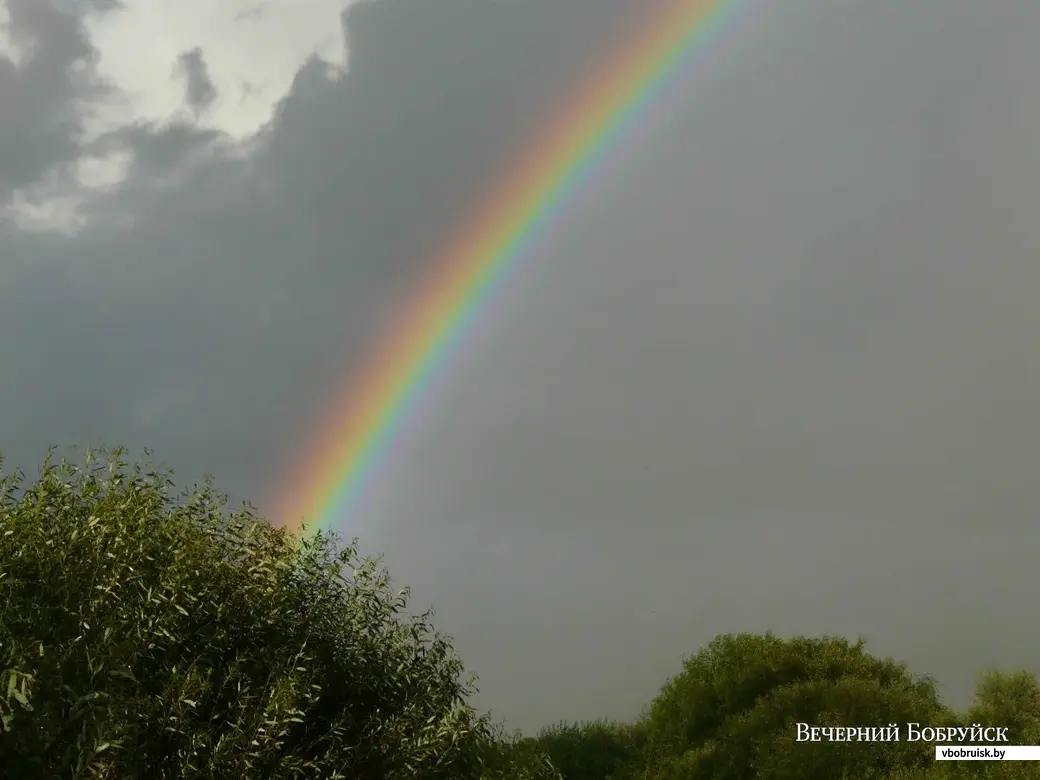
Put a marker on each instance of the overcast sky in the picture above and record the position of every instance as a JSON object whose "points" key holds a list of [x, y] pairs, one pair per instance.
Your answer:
{"points": [[777, 370]]}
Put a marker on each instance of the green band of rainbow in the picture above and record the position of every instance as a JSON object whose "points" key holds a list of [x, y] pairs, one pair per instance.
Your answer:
{"points": [[356, 433]]}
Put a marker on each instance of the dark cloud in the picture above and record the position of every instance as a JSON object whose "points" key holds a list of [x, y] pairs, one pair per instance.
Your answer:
{"points": [[277, 271], [253, 12], [40, 124], [199, 90], [773, 369], [83, 7], [156, 150]]}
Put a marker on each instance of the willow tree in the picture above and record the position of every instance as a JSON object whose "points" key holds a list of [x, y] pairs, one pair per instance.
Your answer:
{"points": [[147, 634]]}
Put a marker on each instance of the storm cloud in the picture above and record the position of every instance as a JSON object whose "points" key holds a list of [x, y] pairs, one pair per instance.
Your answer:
{"points": [[773, 367], [199, 91]]}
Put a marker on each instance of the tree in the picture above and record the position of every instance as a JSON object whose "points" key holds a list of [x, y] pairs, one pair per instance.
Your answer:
{"points": [[147, 635], [592, 750], [732, 712], [1010, 700], [1002, 699]]}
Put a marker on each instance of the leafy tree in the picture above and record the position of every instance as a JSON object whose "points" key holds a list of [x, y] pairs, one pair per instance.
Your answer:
{"points": [[1002, 699], [1009, 699], [732, 713], [147, 635], [150, 635], [591, 750]]}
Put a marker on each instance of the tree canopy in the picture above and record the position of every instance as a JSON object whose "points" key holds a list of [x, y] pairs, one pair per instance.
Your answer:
{"points": [[145, 635], [151, 634], [732, 714]]}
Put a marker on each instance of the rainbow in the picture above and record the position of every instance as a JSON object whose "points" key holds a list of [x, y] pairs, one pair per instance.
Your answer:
{"points": [[355, 435]]}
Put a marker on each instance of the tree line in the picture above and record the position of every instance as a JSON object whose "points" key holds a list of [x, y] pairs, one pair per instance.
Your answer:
{"points": [[147, 633]]}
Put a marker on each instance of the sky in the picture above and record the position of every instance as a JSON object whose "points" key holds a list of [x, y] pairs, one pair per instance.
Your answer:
{"points": [[777, 370]]}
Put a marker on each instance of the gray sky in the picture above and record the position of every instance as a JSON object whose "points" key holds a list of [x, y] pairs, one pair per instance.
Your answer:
{"points": [[777, 370]]}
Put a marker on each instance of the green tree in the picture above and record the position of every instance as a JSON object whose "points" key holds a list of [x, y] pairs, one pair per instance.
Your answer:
{"points": [[147, 635], [591, 750], [1011, 700], [732, 713], [1002, 699]]}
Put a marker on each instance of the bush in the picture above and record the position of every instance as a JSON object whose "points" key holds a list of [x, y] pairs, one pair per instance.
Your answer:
{"points": [[144, 635]]}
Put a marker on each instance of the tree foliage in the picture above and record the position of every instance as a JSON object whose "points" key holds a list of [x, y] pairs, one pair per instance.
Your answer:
{"points": [[147, 635], [732, 714], [593, 749]]}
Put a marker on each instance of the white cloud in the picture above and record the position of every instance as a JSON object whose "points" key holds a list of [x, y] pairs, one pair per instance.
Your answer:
{"points": [[253, 51], [14, 50]]}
